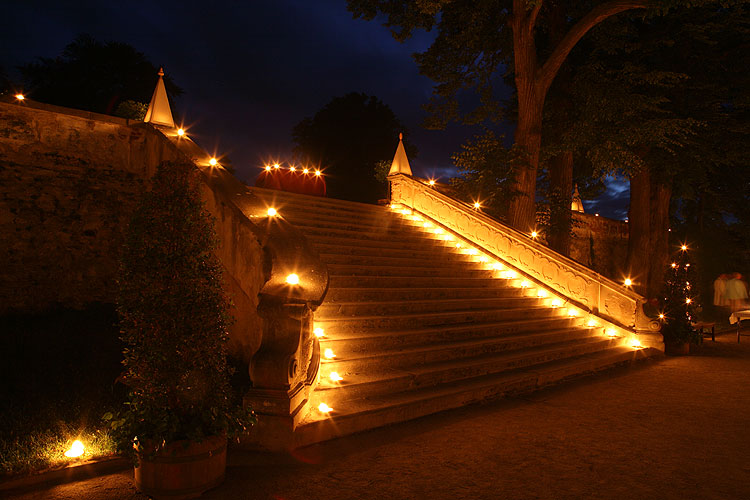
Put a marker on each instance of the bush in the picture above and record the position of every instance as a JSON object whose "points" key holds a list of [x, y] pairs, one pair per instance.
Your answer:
{"points": [[174, 317]]}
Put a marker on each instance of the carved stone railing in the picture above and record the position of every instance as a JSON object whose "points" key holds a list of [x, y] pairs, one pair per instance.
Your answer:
{"points": [[586, 289], [259, 252]]}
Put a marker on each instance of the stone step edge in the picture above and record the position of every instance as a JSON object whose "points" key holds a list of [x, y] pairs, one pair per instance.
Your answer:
{"points": [[314, 430], [395, 373], [492, 357]]}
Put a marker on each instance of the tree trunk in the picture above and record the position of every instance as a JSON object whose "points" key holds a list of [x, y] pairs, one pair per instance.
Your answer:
{"points": [[561, 199], [659, 237], [532, 83], [639, 230]]}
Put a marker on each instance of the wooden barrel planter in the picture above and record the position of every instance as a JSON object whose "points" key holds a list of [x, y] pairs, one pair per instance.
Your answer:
{"points": [[183, 469]]}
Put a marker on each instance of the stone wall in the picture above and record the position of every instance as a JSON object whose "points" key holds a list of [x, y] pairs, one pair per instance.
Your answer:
{"points": [[68, 185], [600, 244]]}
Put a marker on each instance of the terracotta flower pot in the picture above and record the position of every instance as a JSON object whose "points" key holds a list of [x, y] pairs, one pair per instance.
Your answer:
{"points": [[183, 469], [676, 348]]}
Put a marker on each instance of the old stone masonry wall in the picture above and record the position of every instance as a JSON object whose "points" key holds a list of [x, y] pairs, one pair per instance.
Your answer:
{"points": [[68, 184]]}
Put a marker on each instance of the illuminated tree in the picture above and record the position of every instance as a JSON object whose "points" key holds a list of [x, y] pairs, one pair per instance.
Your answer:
{"points": [[680, 300]]}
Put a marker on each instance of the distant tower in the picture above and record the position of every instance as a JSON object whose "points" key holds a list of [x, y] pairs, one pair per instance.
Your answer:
{"points": [[577, 205], [400, 163], [159, 112]]}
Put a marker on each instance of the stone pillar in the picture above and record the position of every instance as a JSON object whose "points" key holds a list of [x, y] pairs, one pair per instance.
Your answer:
{"points": [[284, 371]]}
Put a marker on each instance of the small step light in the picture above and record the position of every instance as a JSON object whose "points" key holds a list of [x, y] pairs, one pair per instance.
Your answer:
{"points": [[335, 377], [328, 354], [324, 408], [292, 279], [319, 332]]}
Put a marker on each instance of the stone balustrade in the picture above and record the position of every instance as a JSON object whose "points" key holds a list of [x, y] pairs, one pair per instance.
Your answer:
{"points": [[582, 287]]}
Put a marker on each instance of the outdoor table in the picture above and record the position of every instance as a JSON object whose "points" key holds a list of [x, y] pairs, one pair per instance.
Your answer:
{"points": [[737, 317]]}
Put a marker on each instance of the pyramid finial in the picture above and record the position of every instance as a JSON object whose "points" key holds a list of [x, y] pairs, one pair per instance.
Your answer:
{"points": [[400, 161], [159, 112]]}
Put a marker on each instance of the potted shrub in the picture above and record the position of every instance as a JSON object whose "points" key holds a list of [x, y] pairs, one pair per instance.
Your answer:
{"points": [[680, 306], [174, 316]]}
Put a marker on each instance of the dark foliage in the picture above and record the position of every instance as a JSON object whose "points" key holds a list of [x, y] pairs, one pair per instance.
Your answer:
{"points": [[347, 139], [174, 316], [93, 76]]}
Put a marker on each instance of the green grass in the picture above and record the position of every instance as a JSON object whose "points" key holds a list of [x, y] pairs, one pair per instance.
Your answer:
{"points": [[58, 372]]}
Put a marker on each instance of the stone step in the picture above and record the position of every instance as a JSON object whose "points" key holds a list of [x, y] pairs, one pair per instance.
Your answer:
{"points": [[365, 342], [461, 271], [340, 294], [330, 309], [380, 235], [434, 364], [512, 351], [377, 258], [306, 218], [429, 252], [384, 244], [363, 414], [336, 281], [283, 198], [423, 320]]}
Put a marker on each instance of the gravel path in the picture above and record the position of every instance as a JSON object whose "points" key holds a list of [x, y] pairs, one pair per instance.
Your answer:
{"points": [[676, 428]]}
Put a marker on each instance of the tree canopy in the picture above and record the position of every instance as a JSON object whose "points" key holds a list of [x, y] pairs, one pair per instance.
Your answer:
{"points": [[94, 76], [347, 139]]}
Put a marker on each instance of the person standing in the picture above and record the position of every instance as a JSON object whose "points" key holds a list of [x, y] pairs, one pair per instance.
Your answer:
{"points": [[736, 292]]}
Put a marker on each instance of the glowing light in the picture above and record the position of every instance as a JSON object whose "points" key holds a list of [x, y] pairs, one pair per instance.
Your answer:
{"points": [[268, 167], [628, 282], [319, 332], [292, 169], [688, 300], [305, 170], [180, 132], [292, 279], [329, 354], [611, 332], [636, 344], [76, 449], [20, 97], [556, 303], [591, 323], [212, 162], [477, 206], [392, 206], [687, 265], [596, 215], [674, 264], [661, 316], [276, 165], [438, 231], [472, 251], [683, 247], [541, 293], [510, 275], [432, 182], [335, 377], [448, 237], [406, 211], [483, 258], [458, 245], [572, 313], [427, 224], [525, 284], [271, 212], [533, 234], [317, 173], [324, 408]]}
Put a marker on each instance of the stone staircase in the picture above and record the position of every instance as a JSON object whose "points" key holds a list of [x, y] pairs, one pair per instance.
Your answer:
{"points": [[418, 326]]}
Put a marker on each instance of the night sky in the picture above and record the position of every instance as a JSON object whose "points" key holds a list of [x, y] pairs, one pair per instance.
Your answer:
{"points": [[252, 70]]}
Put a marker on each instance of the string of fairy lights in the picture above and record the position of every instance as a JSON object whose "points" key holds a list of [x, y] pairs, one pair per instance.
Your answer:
{"points": [[500, 270]]}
